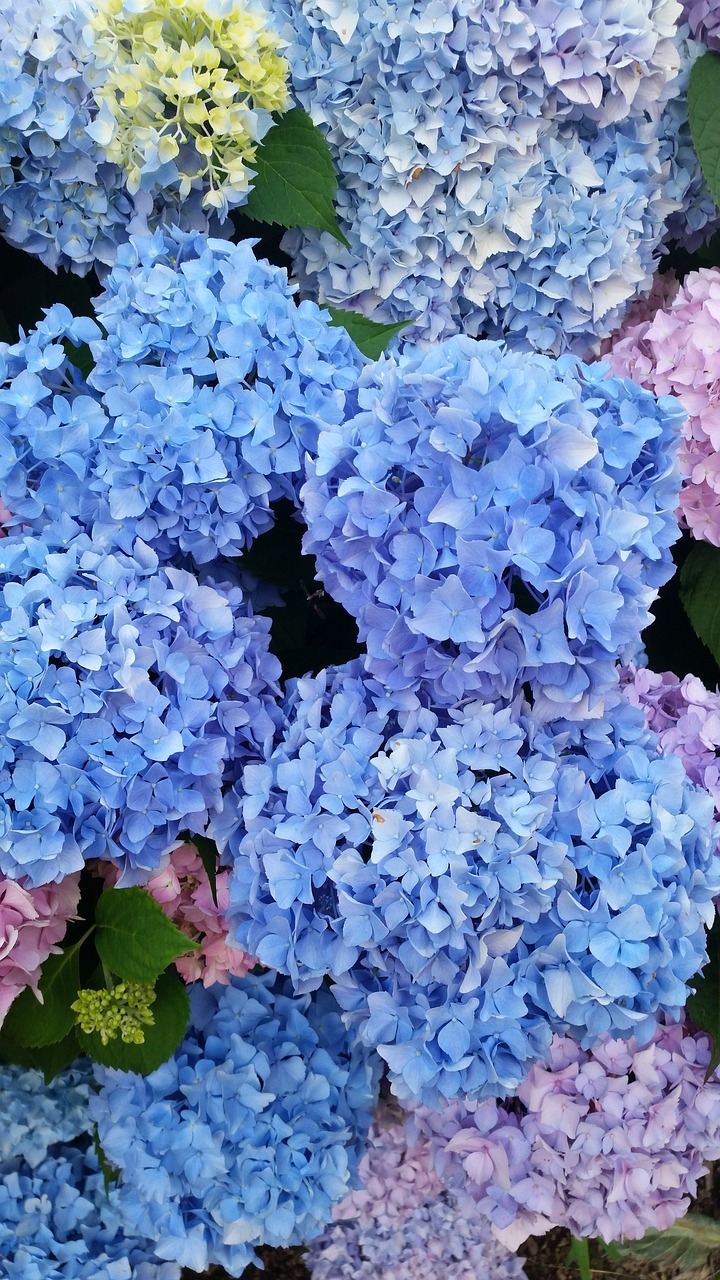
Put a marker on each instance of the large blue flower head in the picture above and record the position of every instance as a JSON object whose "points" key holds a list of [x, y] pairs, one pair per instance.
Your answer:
{"points": [[503, 168], [59, 198], [472, 880], [494, 520], [249, 1133], [58, 1222], [129, 694], [208, 385]]}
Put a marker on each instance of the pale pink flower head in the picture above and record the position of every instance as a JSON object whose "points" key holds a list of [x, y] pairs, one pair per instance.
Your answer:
{"points": [[396, 1177], [32, 923]]}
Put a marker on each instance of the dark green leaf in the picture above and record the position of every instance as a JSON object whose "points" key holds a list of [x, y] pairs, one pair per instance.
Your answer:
{"points": [[296, 180], [171, 1012], [704, 1006], [51, 1059], [370, 337], [209, 857], [704, 113], [109, 1172], [700, 594], [579, 1253], [686, 1243], [34, 1025], [134, 938]]}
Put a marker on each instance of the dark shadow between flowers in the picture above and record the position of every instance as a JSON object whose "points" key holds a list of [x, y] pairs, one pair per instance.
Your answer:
{"points": [[310, 630]]}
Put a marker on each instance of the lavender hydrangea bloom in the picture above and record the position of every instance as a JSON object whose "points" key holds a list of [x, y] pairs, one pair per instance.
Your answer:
{"points": [[471, 880], [438, 1241], [703, 18], [58, 1222], [37, 1116], [209, 382], [608, 1142], [59, 198], [502, 168], [249, 1134], [131, 693], [494, 520]]}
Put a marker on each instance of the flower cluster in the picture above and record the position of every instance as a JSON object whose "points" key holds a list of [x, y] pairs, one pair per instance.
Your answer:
{"points": [[686, 718], [185, 92], [60, 198], [129, 693], [494, 520], [703, 18], [208, 385], [438, 1241], [395, 1178], [503, 169], [249, 1134], [32, 922], [183, 890], [57, 1222], [123, 1011], [471, 880], [677, 352], [609, 1142], [36, 1115]]}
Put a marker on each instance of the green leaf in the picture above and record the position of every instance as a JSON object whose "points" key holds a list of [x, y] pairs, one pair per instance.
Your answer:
{"points": [[34, 1025], [296, 180], [109, 1171], [369, 336], [171, 1011], [81, 357], [579, 1253], [704, 113], [704, 1006], [209, 858], [686, 1243], [134, 938], [700, 594], [51, 1059]]}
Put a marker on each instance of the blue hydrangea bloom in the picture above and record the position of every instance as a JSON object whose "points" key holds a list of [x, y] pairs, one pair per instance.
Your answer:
{"points": [[504, 169], [249, 1133], [59, 198], [209, 383], [36, 1116], [131, 694], [57, 1222], [472, 881], [494, 519]]}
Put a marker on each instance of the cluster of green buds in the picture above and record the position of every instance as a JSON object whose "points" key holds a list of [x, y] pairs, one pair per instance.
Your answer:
{"points": [[123, 1011], [185, 90]]}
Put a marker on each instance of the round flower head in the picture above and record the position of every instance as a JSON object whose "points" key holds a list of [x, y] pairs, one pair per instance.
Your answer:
{"points": [[478, 146], [494, 520], [186, 91], [686, 717], [37, 1116], [609, 1142], [438, 1241], [208, 385], [470, 880], [677, 352], [32, 922], [60, 198], [58, 1222], [131, 694], [249, 1134]]}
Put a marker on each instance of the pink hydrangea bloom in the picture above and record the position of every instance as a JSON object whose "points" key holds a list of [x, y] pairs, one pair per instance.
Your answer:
{"points": [[703, 17], [32, 922], [395, 1178], [607, 1142], [183, 891], [677, 352], [686, 718]]}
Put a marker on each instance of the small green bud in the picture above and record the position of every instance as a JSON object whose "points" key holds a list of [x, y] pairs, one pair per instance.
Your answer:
{"points": [[125, 1011]]}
